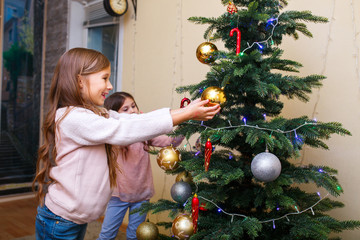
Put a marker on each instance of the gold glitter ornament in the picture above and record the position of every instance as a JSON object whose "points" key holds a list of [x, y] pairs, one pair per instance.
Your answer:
{"points": [[216, 95], [147, 231], [168, 158], [182, 227], [185, 177], [205, 52]]}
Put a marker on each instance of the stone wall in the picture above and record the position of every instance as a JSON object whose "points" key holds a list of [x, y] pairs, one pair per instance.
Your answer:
{"points": [[56, 39]]}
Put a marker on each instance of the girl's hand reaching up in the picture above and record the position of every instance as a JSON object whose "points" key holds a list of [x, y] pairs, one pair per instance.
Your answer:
{"points": [[199, 112], [196, 110]]}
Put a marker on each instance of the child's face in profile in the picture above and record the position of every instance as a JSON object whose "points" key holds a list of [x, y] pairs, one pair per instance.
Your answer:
{"points": [[96, 86], [129, 106]]}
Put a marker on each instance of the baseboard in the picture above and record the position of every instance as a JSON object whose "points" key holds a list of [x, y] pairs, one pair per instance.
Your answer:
{"points": [[15, 197]]}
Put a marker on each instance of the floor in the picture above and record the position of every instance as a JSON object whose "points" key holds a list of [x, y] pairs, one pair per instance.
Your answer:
{"points": [[17, 217]]}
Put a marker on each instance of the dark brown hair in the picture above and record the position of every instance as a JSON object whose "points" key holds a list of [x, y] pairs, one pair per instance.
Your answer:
{"points": [[116, 100], [65, 92]]}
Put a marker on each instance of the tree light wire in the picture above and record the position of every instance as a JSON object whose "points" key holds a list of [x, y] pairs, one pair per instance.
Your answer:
{"points": [[133, 80], [269, 220], [276, 20], [327, 47], [355, 42], [252, 126]]}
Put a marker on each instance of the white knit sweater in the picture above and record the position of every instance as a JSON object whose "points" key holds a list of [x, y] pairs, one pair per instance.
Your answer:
{"points": [[81, 189]]}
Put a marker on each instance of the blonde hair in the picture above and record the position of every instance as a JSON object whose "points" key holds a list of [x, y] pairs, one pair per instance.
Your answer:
{"points": [[65, 92]]}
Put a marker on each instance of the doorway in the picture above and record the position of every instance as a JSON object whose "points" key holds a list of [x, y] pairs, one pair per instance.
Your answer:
{"points": [[19, 122]]}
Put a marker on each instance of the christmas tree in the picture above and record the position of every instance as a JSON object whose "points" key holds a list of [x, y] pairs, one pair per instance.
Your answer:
{"points": [[241, 180]]}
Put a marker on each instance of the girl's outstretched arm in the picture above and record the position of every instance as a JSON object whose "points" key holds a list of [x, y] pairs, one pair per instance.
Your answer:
{"points": [[196, 110]]}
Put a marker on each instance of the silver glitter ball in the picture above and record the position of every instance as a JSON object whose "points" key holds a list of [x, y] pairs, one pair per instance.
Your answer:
{"points": [[266, 167], [181, 191]]}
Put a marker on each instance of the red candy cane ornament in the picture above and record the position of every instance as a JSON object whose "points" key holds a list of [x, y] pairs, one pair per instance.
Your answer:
{"points": [[208, 151], [195, 211], [183, 101], [238, 38]]}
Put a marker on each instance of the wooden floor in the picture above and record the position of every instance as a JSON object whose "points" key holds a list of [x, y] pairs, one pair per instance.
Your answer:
{"points": [[17, 218]]}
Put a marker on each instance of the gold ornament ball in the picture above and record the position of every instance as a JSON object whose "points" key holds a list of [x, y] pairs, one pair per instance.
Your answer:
{"points": [[168, 158], [216, 95], [205, 52], [182, 227], [185, 177], [147, 231]]}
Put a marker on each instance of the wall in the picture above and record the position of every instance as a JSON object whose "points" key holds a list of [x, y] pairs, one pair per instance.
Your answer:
{"points": [[333, 52], [56, 24], [159, 55]]}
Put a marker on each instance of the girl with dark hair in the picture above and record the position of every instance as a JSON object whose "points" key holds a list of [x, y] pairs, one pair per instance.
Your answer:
{"points": [[135, 186]]}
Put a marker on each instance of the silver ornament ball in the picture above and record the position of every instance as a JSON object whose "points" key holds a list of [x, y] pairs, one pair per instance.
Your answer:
{"points": [[181, 191], [266, 167]]}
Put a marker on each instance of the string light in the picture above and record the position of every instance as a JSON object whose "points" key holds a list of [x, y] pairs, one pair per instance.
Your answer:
{"points": [[252, 126], [327, 50], [271, 22], [133, 80], [286, 216], [244, 121], [177, 63], [320, 170], [355, 41], [296, 208]]}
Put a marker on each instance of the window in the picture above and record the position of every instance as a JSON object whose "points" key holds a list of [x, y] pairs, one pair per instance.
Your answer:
{"points": [[100, 32], [104, 39], [19, 111]]}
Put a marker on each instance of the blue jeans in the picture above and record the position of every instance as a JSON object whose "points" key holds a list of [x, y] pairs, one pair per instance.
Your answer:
{"points": [[50, 226], [114, 216]]}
